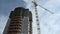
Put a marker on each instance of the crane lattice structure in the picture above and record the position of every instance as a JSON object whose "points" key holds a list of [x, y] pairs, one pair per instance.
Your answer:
{"points": [[37, 17]]}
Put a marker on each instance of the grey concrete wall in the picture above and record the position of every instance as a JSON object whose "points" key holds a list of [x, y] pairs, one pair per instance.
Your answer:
{"points": [[25, 25]]}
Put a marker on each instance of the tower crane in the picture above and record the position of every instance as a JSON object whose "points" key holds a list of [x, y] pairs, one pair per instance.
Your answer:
{"points": [[37, 17]]}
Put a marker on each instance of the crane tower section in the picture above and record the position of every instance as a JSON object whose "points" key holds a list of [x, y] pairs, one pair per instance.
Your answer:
{"points": [[37, 17]]}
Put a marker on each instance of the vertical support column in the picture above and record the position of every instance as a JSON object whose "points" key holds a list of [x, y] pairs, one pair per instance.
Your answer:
{"points": [[25, 25], [30, 27]]}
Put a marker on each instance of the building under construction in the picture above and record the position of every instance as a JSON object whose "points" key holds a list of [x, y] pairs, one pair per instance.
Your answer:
{"points": [[19, 22]]}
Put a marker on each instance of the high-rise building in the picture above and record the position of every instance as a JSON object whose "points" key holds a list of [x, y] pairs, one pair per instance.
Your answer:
{"points": [[19, 22]]}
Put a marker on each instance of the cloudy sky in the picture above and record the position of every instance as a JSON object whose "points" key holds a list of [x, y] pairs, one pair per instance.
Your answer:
{"points": [[49, 23]]}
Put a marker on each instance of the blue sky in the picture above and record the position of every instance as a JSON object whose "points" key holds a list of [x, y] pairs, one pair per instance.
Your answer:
{"points": [[49, 23]]}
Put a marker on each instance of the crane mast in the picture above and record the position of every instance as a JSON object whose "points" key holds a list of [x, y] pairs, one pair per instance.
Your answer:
{"points": [[37, 17]]}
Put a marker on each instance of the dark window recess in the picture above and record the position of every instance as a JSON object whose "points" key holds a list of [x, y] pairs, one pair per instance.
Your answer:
{"points": [[15, 23], [13, 31], [14, 28], [30, 20], [16, 19]]}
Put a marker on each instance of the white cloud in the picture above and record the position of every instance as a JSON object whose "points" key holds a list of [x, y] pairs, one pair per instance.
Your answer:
{"points": [[53, 5], [51, 21]]}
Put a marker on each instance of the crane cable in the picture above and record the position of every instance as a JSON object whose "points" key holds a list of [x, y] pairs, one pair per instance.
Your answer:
{"points": [[46, 9]]}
